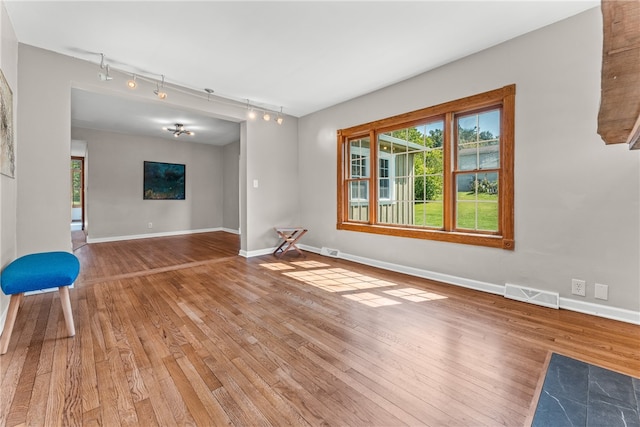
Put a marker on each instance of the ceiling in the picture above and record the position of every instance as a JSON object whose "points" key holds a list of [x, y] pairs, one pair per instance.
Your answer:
{"points": [[299, 56], [119, 114]]}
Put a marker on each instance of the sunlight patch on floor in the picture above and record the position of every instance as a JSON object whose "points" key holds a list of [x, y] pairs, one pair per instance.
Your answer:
{"points": [[372, 300], [413, 294], [310, 264], [277, 266], [338, 280], [351, 283]]}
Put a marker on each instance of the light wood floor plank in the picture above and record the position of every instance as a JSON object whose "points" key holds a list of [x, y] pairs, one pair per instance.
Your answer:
{"points": [[182, 331]]}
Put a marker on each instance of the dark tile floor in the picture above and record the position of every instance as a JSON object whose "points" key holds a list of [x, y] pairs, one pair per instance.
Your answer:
{"points": [[575, 393]]}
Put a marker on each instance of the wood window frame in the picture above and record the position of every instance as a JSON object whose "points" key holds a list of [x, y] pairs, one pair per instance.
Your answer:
{"points": [[504, 98]]}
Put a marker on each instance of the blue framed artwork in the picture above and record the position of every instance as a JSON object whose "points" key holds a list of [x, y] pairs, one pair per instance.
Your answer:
{"points": [[163, 181]]}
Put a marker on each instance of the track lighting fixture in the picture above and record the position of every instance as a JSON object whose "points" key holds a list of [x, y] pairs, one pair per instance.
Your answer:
{"points": [[160, 93], [131, 83], [105, 77], [280, 119], [179, 130], [250, 111], [104, 74]]}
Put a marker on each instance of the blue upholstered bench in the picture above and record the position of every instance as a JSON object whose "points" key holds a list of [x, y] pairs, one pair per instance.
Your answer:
{"points": [[33, 273]]}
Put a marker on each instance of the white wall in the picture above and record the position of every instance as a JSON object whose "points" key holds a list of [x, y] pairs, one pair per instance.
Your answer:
{"points": [[271, 160], [231, 190], [577, 200], [8, 186], [115, 207], [46, 79]]}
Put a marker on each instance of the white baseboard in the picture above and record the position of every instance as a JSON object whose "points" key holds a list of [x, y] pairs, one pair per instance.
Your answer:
{"points": [[150, 235], [593, 309], [230, 230], [259, 252], [614, 313]]}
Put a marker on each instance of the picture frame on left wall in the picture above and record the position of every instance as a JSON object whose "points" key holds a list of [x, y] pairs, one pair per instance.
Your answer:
{"points": [[7, 146]]}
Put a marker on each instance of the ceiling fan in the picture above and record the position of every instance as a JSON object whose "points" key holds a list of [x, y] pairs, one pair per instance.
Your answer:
{"points": [[178, 130]]}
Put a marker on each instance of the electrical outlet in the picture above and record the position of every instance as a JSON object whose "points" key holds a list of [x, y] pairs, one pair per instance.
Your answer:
{"points": [[578, 287], [150, 225], [601, 291]]}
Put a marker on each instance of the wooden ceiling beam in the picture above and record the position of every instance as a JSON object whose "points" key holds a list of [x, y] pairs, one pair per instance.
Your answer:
{"points": [[619, 115]]}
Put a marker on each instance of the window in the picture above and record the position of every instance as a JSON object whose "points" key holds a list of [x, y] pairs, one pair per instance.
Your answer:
{"points": [[443, 172], [77, 186]]}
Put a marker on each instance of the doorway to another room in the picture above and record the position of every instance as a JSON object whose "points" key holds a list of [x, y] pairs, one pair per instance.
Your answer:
{"points": [[78, 235]]}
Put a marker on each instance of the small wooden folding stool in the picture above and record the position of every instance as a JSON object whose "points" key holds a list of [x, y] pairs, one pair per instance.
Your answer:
{"points": [[33, 273], [289, 236]]}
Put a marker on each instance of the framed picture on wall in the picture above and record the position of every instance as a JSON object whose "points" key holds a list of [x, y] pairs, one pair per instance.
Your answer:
{"points": [[7, 154], [164, 181]]}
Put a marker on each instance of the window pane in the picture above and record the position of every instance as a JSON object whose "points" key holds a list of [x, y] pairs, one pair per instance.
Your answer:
{"points": [[428, 214], [384, 173], [358, 200], [359, 191], [76, 188], [411, 166], [76, 183], [477, 201], [384, 189], [479, 141], [359, 153]]}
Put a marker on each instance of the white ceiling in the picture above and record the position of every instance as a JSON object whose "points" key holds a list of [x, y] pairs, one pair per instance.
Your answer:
{"points": [[119, 114], [302, 56]]}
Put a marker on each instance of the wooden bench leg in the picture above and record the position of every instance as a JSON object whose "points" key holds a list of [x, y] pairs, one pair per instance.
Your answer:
{"points": [[14, 305], [66, 309]]}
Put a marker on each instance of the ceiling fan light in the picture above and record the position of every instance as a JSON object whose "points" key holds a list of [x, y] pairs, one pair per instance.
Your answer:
{"points": [[179, 130]]}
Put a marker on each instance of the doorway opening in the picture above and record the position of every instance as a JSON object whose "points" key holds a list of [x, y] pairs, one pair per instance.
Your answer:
{"points": [[78, 232]]}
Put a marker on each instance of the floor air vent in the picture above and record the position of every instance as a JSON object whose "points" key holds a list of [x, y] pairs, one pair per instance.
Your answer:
{"points": [[330, 252], [533, 296]]}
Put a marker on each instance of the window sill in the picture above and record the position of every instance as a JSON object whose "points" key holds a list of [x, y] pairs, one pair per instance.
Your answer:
{"points": [[438, 235]]}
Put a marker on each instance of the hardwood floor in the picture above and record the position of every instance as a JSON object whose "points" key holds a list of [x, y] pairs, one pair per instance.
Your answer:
{"points": [[181, 330]]}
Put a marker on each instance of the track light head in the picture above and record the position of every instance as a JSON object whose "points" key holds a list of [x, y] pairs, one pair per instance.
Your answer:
{"points": [[250, 111], [280, 119], [266, 116], [131, 83], [105, 77], [160, 94]]}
